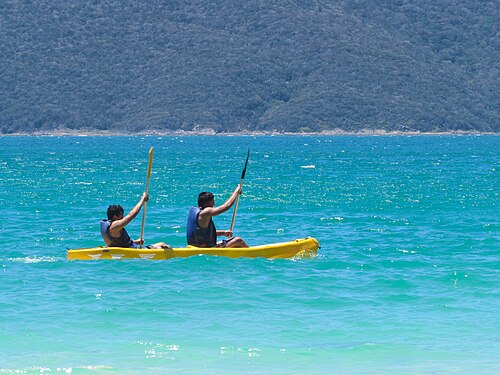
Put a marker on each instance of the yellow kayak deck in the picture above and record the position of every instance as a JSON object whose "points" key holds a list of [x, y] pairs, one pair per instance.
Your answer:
{"points": [[301, 248]]}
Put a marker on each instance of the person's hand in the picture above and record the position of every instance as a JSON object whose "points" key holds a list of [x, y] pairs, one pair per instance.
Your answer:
{"points": [[145, 197], [139, 241], [229, 233], [239, 190]]}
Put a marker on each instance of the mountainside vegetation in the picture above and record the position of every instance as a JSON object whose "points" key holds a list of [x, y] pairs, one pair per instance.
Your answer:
{"points": [[240, 66]]}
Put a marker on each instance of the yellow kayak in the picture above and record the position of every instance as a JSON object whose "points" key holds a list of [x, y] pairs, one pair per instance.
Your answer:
{"points": [[301, 248]]}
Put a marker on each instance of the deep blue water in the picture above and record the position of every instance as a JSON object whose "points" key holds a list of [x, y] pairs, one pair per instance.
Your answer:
{"points": [[407, 279]]}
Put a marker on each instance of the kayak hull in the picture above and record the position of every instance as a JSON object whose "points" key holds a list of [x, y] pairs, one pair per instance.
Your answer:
{"points": [[300, 248]]}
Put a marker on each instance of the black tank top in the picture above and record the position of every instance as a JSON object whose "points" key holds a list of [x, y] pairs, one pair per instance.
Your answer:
{"points": [[123, 241]]}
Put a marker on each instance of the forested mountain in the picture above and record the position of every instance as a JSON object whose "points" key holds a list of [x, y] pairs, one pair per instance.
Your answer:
{"points": [[251, 65]]}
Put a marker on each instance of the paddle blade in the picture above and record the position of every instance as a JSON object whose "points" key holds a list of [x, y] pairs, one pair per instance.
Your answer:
{"points": [[245, 169], [150, 165]]}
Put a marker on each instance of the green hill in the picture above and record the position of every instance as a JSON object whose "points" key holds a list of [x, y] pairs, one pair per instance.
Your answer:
{"points": [[230, 66]]}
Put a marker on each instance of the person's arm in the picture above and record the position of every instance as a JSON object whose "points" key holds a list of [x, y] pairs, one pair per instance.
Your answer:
{"points": [[122, 223], [209, 212], [227, 233]]}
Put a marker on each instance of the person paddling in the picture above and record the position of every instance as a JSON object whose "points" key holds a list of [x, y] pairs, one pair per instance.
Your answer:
{"points": [[201, 231], [113, 229]]}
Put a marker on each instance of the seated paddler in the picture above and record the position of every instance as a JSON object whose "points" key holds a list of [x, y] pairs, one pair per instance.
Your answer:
{"points": [[201, 231], [113, 229]]}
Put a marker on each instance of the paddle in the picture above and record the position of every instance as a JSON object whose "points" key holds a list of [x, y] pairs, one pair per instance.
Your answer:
{"points": [[238, 198], [148, 177]]}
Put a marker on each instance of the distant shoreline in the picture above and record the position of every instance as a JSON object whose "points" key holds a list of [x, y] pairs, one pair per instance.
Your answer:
{"points": [[210, 132]]}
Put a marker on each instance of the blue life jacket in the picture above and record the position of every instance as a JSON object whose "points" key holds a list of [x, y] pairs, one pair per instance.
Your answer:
{"points": [[123, 241], [197, 236]]}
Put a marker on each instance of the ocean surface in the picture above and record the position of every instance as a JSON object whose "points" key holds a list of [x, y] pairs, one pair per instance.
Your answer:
{"points": [[407, 280]]}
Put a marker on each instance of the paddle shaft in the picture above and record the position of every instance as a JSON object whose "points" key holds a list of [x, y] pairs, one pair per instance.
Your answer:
{"points": [[148, 177], [238, 197], [235, 209]]}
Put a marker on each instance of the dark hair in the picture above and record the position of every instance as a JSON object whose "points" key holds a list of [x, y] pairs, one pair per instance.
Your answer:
{"points": [[204, 198], [114, 209]]}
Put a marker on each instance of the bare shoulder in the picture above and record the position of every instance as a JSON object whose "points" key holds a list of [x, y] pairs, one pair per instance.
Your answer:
{"points": [[207, 212], [118, 224]]}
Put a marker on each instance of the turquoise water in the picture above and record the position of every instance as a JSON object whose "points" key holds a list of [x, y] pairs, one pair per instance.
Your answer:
{"points": [[407, 279]]}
